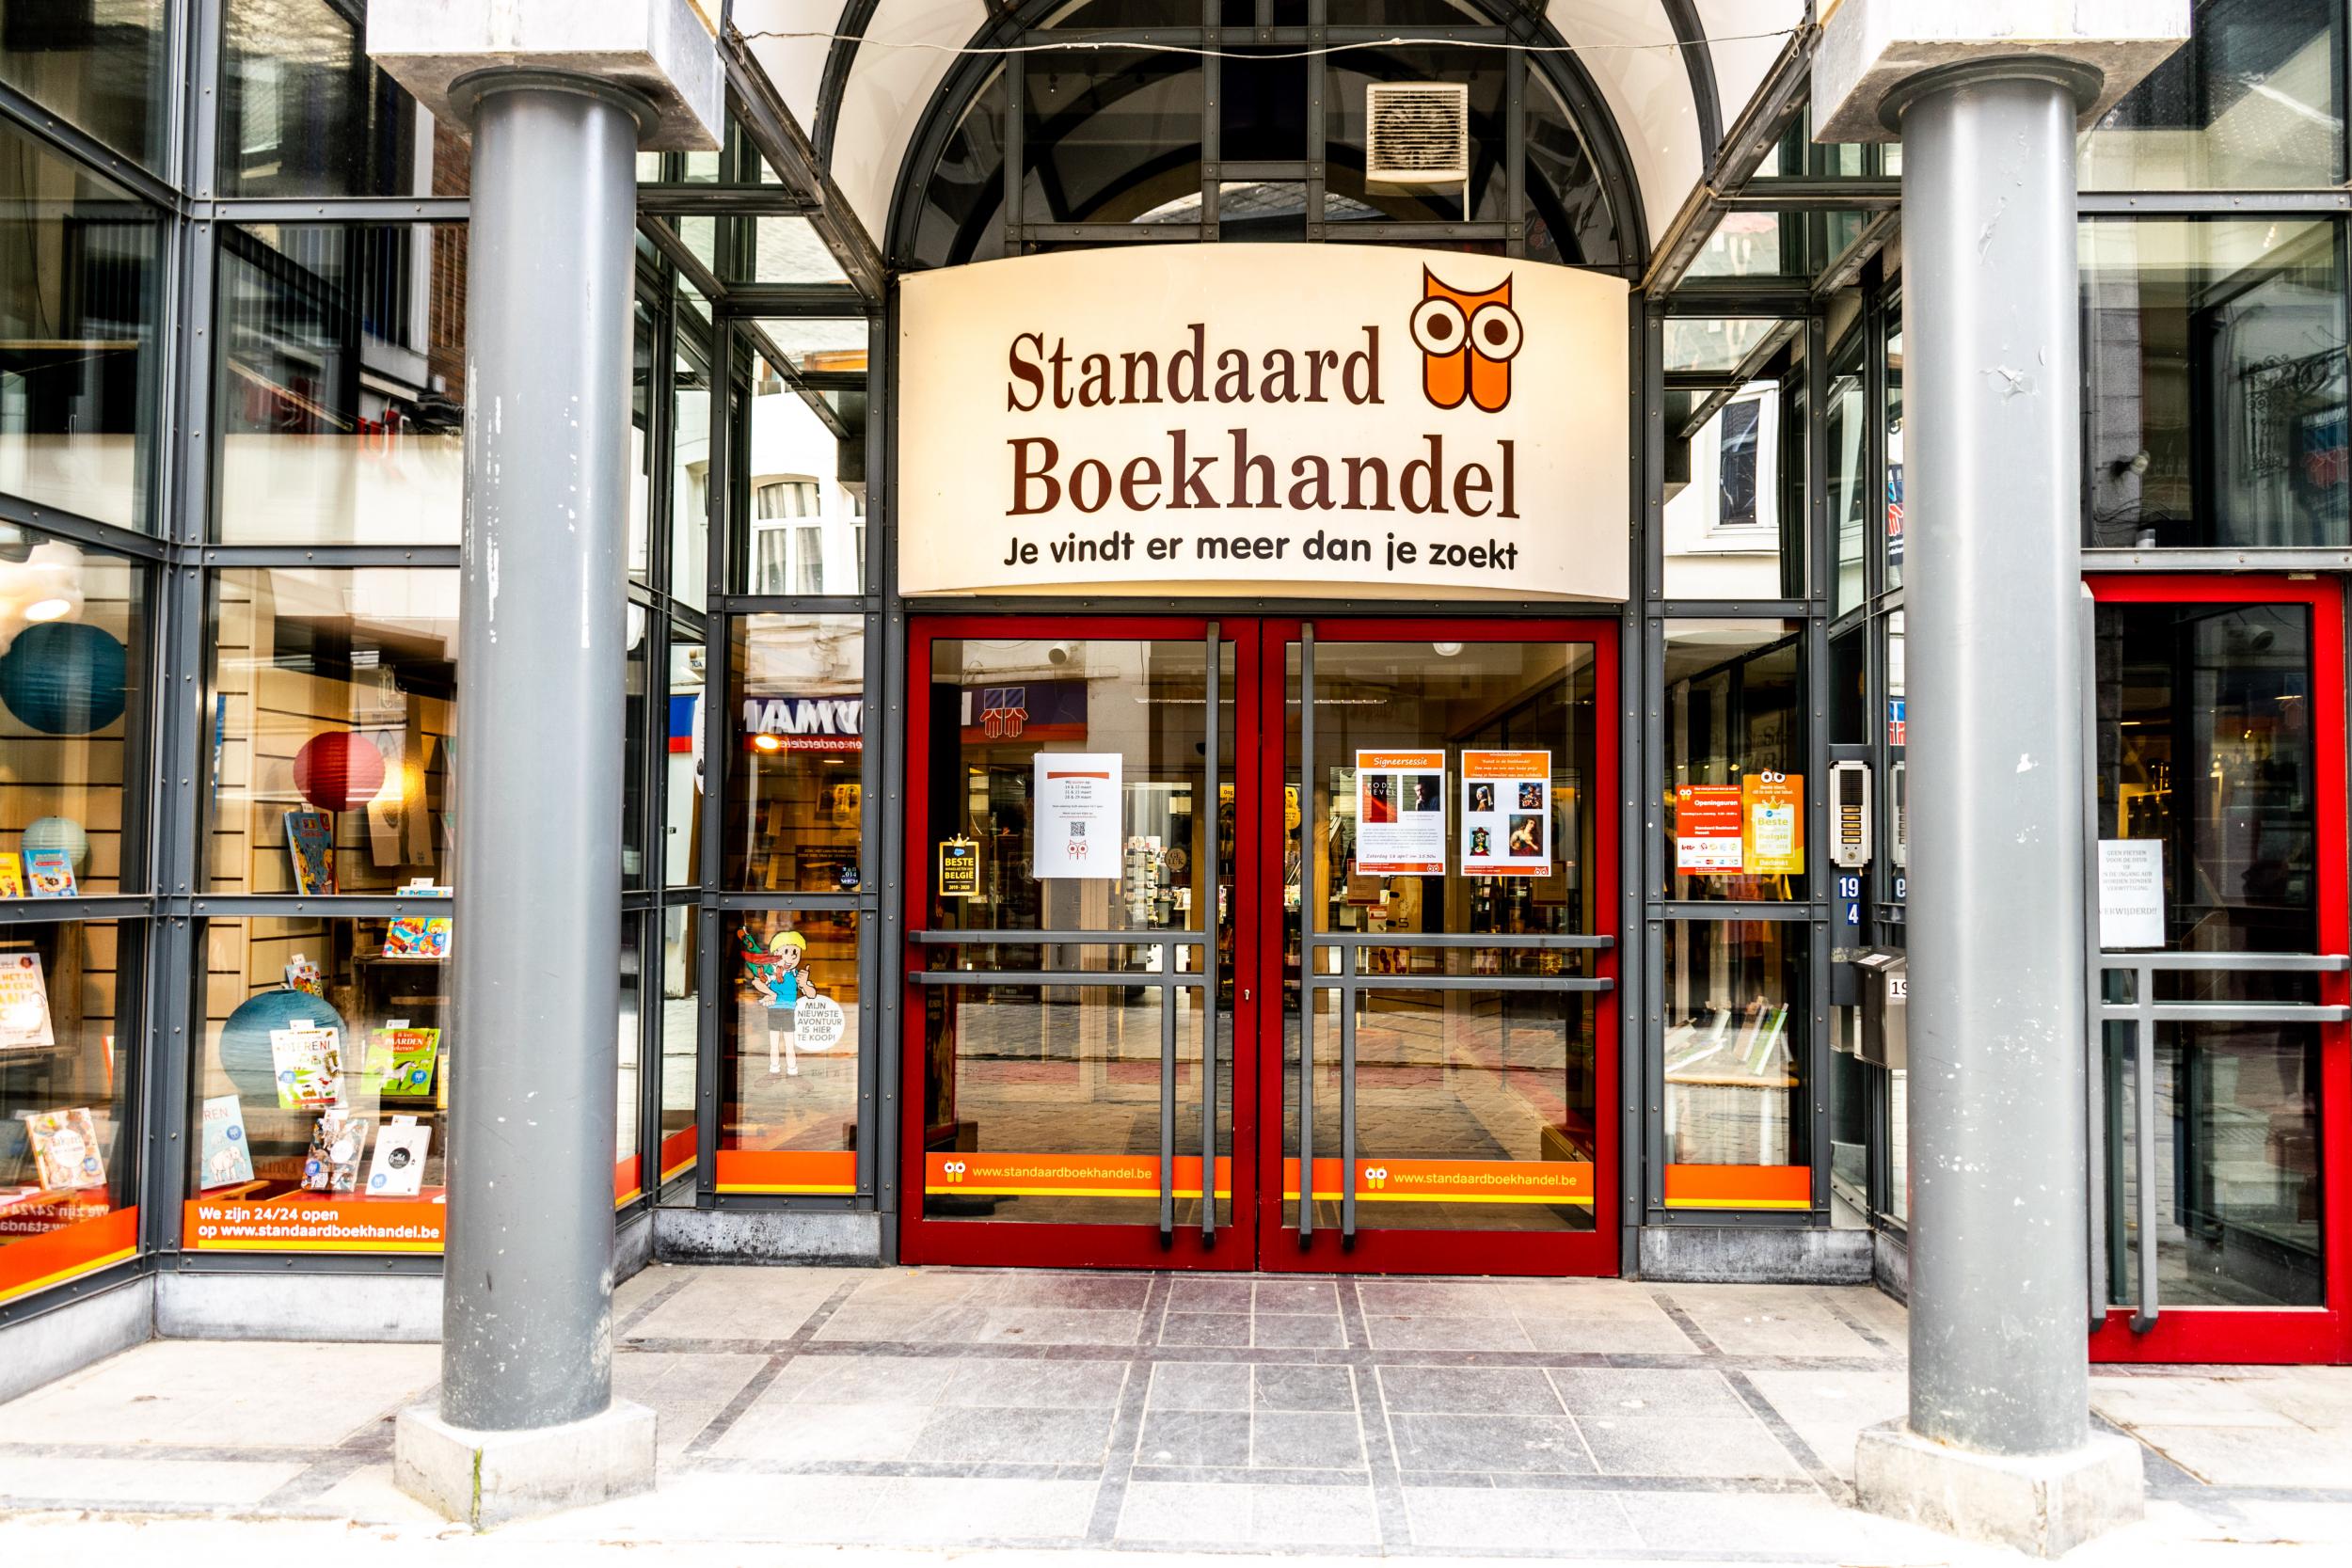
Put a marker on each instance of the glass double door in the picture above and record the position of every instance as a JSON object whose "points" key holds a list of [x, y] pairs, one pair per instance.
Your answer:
{"points": [[1254, 944]]}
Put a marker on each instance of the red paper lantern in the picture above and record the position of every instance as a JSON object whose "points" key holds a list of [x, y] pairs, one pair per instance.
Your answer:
{"points": [[337, 770]]}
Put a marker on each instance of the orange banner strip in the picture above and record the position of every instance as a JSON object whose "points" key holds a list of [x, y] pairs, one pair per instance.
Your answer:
{"points": [[626, 1187], [778, 1170], [1738, 1187], [1068, 1175], [79, 1245], [1452, 1181], [305, 1222], [677, 1153]]}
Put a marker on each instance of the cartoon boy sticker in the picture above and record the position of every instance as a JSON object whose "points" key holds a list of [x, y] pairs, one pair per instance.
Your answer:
{"points": [[778, 978]]}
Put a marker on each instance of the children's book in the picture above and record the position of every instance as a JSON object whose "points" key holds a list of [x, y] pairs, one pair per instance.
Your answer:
{"points": [[225, 1158], [309, 1061], [24, 1003], [338, 1144], [398, 1170], [49, 872], [66, 1148], [399, 1059], [303, 975], [310, 840], [418, 936], [12, 876]]}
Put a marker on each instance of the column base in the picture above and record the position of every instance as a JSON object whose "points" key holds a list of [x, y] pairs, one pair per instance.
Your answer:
{"points": [[2045, 1504], [484, 1478]]}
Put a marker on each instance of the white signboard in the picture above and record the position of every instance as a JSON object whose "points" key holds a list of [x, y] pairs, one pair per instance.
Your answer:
{"points": [[817, 1023], [1077, 832], [1308, 419], [2131, 892], [1506, 814], [1400, 813]]}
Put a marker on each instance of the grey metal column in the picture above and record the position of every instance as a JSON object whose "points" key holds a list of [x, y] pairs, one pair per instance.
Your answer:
{"points": [[528, 1295], [1993, 379]]}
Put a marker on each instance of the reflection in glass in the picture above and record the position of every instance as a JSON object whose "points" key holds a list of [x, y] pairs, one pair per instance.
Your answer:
{"points": [[681, 1027], [1109, 134], [1734, 713], [807, 470], [1736, 1058], [2252, 103], [1849, 485], [1724, 530], [690, 483], [304, 112], [629, 1171], [99, 68], [789, 1119], [1895, 452], [794, 734], [682, 821]]}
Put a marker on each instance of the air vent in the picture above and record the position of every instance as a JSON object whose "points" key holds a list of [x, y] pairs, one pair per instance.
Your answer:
{"points": [[1419, 134]]}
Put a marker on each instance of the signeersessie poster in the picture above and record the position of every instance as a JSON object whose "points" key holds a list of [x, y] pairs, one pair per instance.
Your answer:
{"points": [[1400, 813]]}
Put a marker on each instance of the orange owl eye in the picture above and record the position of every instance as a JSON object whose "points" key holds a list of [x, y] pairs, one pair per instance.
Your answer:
{"points": [[1438, 327], [1494, 332]]}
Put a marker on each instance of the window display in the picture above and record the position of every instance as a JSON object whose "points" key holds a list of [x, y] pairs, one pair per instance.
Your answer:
{"points": [[794, 737], [1738, 1130], [789, 1124]]}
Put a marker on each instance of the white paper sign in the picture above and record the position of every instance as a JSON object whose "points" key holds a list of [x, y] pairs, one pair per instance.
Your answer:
{"points": [[1400, 813], [2131, 892], [1506, 814], [1077, 831], [817, 1023]]}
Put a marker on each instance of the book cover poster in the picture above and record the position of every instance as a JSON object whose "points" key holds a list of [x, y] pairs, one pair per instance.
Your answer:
{"points": [[1400, 813], [66, 1148], [1077, 830], [399, 1059], [49, 872], [309, 1061], [311, 842], [24, 1003], [1506, 814], [338, 1144], [225, 1158], [398, 1170]]}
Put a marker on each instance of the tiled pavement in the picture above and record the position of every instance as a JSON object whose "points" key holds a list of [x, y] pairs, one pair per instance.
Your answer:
{"points": [[919, 1408]]}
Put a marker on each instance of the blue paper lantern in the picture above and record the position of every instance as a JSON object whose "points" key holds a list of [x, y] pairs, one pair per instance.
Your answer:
{"points": [[65, 677], [58, 833], [244, 1052]]}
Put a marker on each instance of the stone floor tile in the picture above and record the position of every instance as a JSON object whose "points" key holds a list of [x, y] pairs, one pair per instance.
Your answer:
{"points": [[2319, 1397], [1768, 1319], [1740, 1447], [1282, 1387], [1646, 1393], [1431, 1333], [1199, 1386], [1468, 1390], [2183, 1401], [1226, 1329], [1296, 1331], [780, 1431], [234, 1393], [684, 1392], [1298, 1295], [1452, 1298], [1835, 1397], [1046, 1385], [915, 1323], [917, 1380], [1200, 1514], [1184, 1513], [1125, 1293], [1060, 1326], [1807, 1526], [1023, 1436], [742, 1304], [1209, 1295], [368, 1497], [2256, 1455], [1306, 1440], [1192, 1439], [1490, 1445], [1624, 1328], [1492, 1518], [135, 1478], [1313, 1516]]}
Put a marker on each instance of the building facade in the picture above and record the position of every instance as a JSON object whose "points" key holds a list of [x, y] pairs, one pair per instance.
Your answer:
{"points": [[1533, 902]]}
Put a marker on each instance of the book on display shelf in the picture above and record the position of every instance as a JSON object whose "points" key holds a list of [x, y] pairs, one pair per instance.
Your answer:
{"points": [[226, 1157], [416, 936], [398, 1170], [49, 872], [66, 1148], [12, 876], [310, 843], [308, 1062], [399, 1059], [338, 1144], [24, 1003]]}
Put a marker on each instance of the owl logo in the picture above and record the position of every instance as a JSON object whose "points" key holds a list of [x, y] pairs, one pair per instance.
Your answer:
{"points": [[1467, 342]]}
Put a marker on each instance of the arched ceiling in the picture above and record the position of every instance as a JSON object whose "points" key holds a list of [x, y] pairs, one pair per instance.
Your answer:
{"points": [[873, 92]]}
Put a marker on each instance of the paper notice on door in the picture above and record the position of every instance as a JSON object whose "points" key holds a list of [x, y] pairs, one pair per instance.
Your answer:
{"points": [[2131, 892], [1506, 814], [1772, 807], [1400, 813], [1706, 828], [1077, 830]]}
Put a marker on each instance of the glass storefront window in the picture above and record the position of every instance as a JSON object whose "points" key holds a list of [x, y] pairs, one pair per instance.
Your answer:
{"points": [[1726, 538], [100, 68], [628, 1165], [341, 382], [74, 659], [78, 371], [69, 1193], [2252, 103], [2214, 410], [681, 1029], [1736, 1111], [788, 250], [791, 1050], [332, 717], [1735, 807], [682, 824], [304, 112], [318, 1115], [690, 483], [807, 469], [1894, 415], [641, 395], [1848, 483], [793, 736], [1720, 343], [636, 736], [1108, 135]]}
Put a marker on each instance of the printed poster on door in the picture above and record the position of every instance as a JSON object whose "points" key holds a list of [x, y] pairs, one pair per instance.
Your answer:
{"points": [[1400, 813], [1706, 828], [1506, 814], [1772, 813], [1077, 830]]}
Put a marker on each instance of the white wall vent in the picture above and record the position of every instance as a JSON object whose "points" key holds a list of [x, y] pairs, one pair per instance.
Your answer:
{"points": [[1418, 133]]}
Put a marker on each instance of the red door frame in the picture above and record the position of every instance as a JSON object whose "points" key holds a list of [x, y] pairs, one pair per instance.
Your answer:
{"points": [[1261, 686], [2292, 1333]]}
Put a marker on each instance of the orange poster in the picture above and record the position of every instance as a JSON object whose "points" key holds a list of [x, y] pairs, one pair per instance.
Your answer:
{"points": [[783, 1170], [1452, 1181], [1706, 828], [1771, 818], [1067, 1174], [304, 1222]]}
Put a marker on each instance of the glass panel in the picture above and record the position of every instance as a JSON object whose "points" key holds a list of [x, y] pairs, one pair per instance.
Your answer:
{"points": [[1735, 758], [342, 359], [77, 323], [72, 715], [681, 1029], [690, 484], [1108, 135], [2251, 102], [806, 528], [2214, 383], [1724, 531], [1895, 452], [795, 805], [1262, 115], [1347, 77], [962, 218], [1849, 485], [789, 1122], [69, 1192], [333, 721], [1043, 1102], [815, 346], [1736, 1117], [319, 1113], [1747, 244], [636, 735], [1480, 1101], [629, 1166], [641, 396], [789, 250], [304, 112], [99, 68], [682, 820], [1714, 343], [1569, 220]]}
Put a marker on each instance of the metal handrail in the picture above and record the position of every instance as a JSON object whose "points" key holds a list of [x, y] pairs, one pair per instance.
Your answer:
{"points": [[2144, 1012]]}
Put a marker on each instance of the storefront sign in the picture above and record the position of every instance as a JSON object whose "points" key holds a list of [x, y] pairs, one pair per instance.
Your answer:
{"points": [[1013, 1174], [1568, 1182], [805, 724], [1706, 828], [1400, 813], [1506, 814], [2131, 892], [959, 868], [1308, 419], [298, 1221], [1771, 812], [1077, 828]]}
